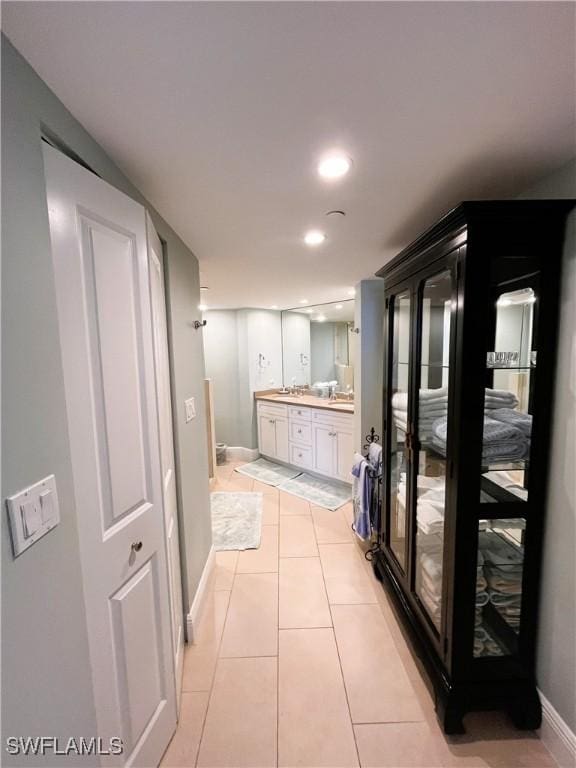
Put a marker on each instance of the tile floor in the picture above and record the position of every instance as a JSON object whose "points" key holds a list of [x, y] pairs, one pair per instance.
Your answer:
{"points": [[299, 661]]}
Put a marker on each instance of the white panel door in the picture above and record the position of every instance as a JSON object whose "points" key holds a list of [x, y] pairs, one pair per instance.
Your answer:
{"points": [[103, 292], [164, 405], [282, 452], [344, 455], [267, 435], [324, 449]]}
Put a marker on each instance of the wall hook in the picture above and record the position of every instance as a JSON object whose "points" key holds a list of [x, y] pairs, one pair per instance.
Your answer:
{"points": [[199, 323]]}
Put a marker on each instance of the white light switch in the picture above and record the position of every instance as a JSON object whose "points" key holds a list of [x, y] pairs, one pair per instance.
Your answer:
{"points": [[33, 512], [190, 406]]}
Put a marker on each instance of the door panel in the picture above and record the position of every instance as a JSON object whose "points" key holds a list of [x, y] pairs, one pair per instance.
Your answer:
{"points": [[134, 616], [113, 328], [345, 453], [282, 451], [324, 450], [267, 435], [102, 284], [165, 430]]}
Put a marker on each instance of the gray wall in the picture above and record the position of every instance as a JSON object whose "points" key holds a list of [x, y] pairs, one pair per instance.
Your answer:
{"points": [[46, 681], [221, 355], [368, 366], [557, 637], [233, 340]]}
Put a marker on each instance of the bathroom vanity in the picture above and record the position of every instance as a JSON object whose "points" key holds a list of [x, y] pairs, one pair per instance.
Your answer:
{"points": [[307, 432]]}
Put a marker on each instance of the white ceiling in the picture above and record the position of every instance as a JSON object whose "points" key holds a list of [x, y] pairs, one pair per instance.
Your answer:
{"points": [[219, 111]]}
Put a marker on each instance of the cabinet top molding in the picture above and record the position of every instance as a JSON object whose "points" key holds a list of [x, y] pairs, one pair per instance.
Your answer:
{"points": [[509, 221]]}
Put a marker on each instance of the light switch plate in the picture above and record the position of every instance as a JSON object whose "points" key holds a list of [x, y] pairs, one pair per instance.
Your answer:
{"points": [[190, 406], [32, 513]]}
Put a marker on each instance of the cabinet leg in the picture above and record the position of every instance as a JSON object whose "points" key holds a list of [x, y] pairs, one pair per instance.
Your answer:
{"points": [[450, 714], [526, 711]]}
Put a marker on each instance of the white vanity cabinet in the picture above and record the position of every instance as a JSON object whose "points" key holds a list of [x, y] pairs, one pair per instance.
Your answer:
{"points": [[273, 431], [314, 439]]}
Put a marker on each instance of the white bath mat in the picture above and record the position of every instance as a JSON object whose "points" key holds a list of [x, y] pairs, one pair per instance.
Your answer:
{"points": [[267, 472], [236, 520], [321, 493]]}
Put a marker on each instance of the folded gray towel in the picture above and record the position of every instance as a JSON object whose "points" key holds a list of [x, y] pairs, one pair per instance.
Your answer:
{"points": [[522, 421]]}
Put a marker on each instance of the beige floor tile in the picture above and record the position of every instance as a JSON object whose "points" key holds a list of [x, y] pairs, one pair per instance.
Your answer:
{"points": [[331, 526], [347, 510], [376, 682], [293, 505], [241, 482], [397, 745], [200, 658], [346, 579], [491, 741], [303, 602], [224, 569], [240, 728], [251, 627], [270, 510], [265, 558], [297, 536], [268, 490], [314, 727], [183, 748]]}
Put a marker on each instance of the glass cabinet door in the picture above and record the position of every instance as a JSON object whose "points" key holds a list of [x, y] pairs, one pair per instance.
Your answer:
{"points": [[401, 314], [507, 433], [435, 313]]}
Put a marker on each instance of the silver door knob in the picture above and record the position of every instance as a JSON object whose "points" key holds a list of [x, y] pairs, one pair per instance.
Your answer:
{"points": [[136, 546]]}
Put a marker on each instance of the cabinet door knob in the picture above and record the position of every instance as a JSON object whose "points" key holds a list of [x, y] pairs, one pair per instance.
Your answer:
{"points": [[136, 546], [299, 431], [271, 421]]}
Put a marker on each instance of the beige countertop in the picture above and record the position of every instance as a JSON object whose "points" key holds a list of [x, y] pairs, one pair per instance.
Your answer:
{"points": [[309, 401]]}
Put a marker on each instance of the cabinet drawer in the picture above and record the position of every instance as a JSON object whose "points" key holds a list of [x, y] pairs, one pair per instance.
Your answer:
{"points": [[343, 421], [272, 409], [300, 432], [301, 455], [302, 413]]}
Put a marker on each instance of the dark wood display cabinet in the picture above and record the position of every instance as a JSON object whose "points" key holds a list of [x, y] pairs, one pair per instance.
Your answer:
{"points": [[471, 327]]}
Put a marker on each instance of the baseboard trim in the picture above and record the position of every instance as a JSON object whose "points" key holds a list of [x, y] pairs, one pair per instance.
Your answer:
{"points": [[557, 736], [195, 613], [239, 453]]}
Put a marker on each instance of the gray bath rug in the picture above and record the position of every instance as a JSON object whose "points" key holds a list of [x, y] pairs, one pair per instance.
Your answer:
{"points": [[321, 493], [236, 520], [267, 472]]}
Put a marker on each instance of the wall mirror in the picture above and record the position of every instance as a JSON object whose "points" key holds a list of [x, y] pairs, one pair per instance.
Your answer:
{"points": [[318, 346]]}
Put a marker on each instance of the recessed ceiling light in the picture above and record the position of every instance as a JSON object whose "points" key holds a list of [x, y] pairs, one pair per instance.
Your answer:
{"points": [[334, 165], [351, 292], [303, 301], [202, 307], [339, 306], [274, 306], [321, 318], [204, 288], [309, 311], [314, 237]]}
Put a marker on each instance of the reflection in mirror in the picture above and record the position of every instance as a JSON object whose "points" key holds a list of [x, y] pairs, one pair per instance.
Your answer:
{"points": [[318, 347], [507, 417]]}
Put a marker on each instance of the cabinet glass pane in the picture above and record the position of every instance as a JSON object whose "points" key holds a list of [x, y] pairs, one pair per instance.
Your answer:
{"points": [[507, 419], [499, 587], [398, 458], [432, 429]]}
